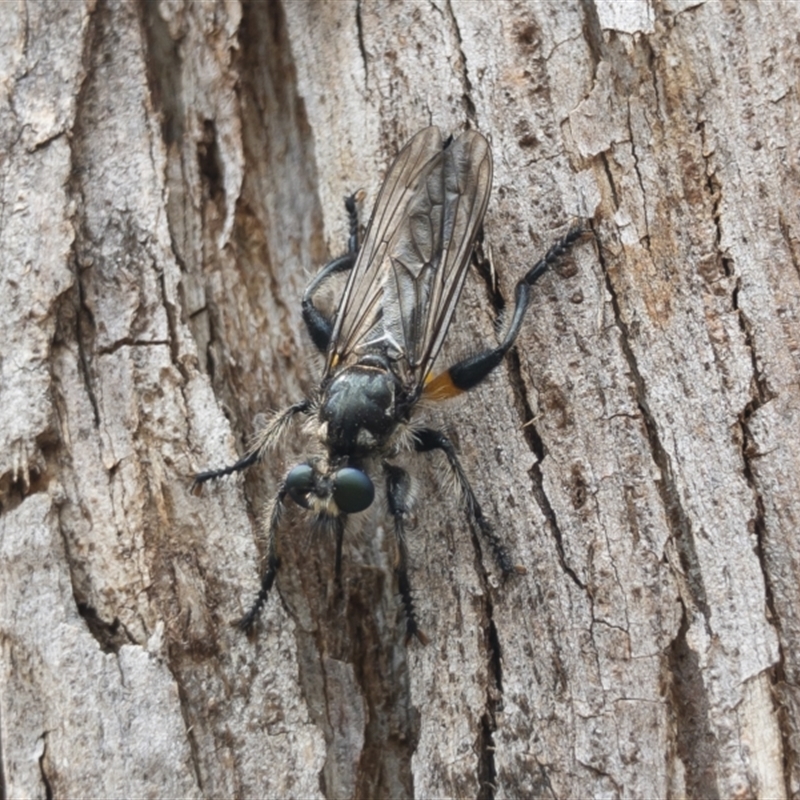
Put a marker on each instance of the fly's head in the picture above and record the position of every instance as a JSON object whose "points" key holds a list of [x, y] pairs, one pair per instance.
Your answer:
{"points": [[329, 492]]}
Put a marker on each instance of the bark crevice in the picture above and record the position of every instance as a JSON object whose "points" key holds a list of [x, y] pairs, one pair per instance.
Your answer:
{"points": [[696, 743], [466, 95], [48, 786], [679, 521]]}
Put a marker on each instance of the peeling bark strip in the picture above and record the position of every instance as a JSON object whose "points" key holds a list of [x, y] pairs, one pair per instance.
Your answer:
{"points": [[171, 174]]}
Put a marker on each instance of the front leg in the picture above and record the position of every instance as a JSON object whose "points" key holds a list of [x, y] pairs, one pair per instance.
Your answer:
{"points": [[245, 624], [264, 442]]}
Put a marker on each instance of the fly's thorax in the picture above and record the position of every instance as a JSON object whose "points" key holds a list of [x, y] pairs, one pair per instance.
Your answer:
{"points": [[358, 411]]}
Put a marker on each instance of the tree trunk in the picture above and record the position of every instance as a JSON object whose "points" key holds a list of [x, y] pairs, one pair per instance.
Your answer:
{"points": [[172, 175]]}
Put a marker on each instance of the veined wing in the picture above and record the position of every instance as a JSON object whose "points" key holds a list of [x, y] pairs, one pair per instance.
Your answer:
{"points": [[400, 296]]}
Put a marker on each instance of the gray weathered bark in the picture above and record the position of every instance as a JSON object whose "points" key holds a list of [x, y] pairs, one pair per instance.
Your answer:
{"points": [[171, 174]]}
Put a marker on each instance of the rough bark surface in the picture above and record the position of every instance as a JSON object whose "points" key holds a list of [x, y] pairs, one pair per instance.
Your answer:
{"points": [[171, 175]]}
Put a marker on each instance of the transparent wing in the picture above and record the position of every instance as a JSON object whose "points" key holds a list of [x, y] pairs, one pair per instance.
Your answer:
{"points": [[400, 296]]}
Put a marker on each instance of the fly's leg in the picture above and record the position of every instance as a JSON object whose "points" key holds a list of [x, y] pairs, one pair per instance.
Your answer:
{"points": [[265, 440], [319, 326], [245, 624], [351, 206], [243, 463], [398, 495], [428, 439], [469, 372], [338, 523]]}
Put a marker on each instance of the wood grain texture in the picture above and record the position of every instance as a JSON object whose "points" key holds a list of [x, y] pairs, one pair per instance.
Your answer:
{"points": [[171, 175]]}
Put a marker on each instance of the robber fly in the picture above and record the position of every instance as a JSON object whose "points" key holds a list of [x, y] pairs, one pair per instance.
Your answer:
{"points": [[380, 347]]}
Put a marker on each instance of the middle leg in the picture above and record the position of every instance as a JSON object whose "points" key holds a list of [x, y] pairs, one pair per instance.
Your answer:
{"points": [[398, 496], [427, 439]]}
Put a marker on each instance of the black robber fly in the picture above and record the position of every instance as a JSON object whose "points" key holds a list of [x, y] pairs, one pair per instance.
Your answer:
{"points": [[380, 347]]}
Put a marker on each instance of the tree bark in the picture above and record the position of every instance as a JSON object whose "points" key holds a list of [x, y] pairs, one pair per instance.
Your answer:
{"points": [[171, 175]]}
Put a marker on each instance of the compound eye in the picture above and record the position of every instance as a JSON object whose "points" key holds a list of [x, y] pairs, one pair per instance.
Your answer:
{"points": [[352, 490], [299, 482]]}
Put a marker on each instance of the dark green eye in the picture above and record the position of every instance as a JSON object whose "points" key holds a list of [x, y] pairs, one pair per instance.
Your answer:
{"points": [[352, 490], [299, 482]]}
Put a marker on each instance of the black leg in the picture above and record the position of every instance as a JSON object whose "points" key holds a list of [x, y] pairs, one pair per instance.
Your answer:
{"points": [[264, 441], [398, 489], [429, 439], [245, 624], [469, 372], [319, 326], [242, 463], [338, 523], [351, 204]]}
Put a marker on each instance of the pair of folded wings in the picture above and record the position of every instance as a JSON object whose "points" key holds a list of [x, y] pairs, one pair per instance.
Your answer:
{"points": [[401, 294]]}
